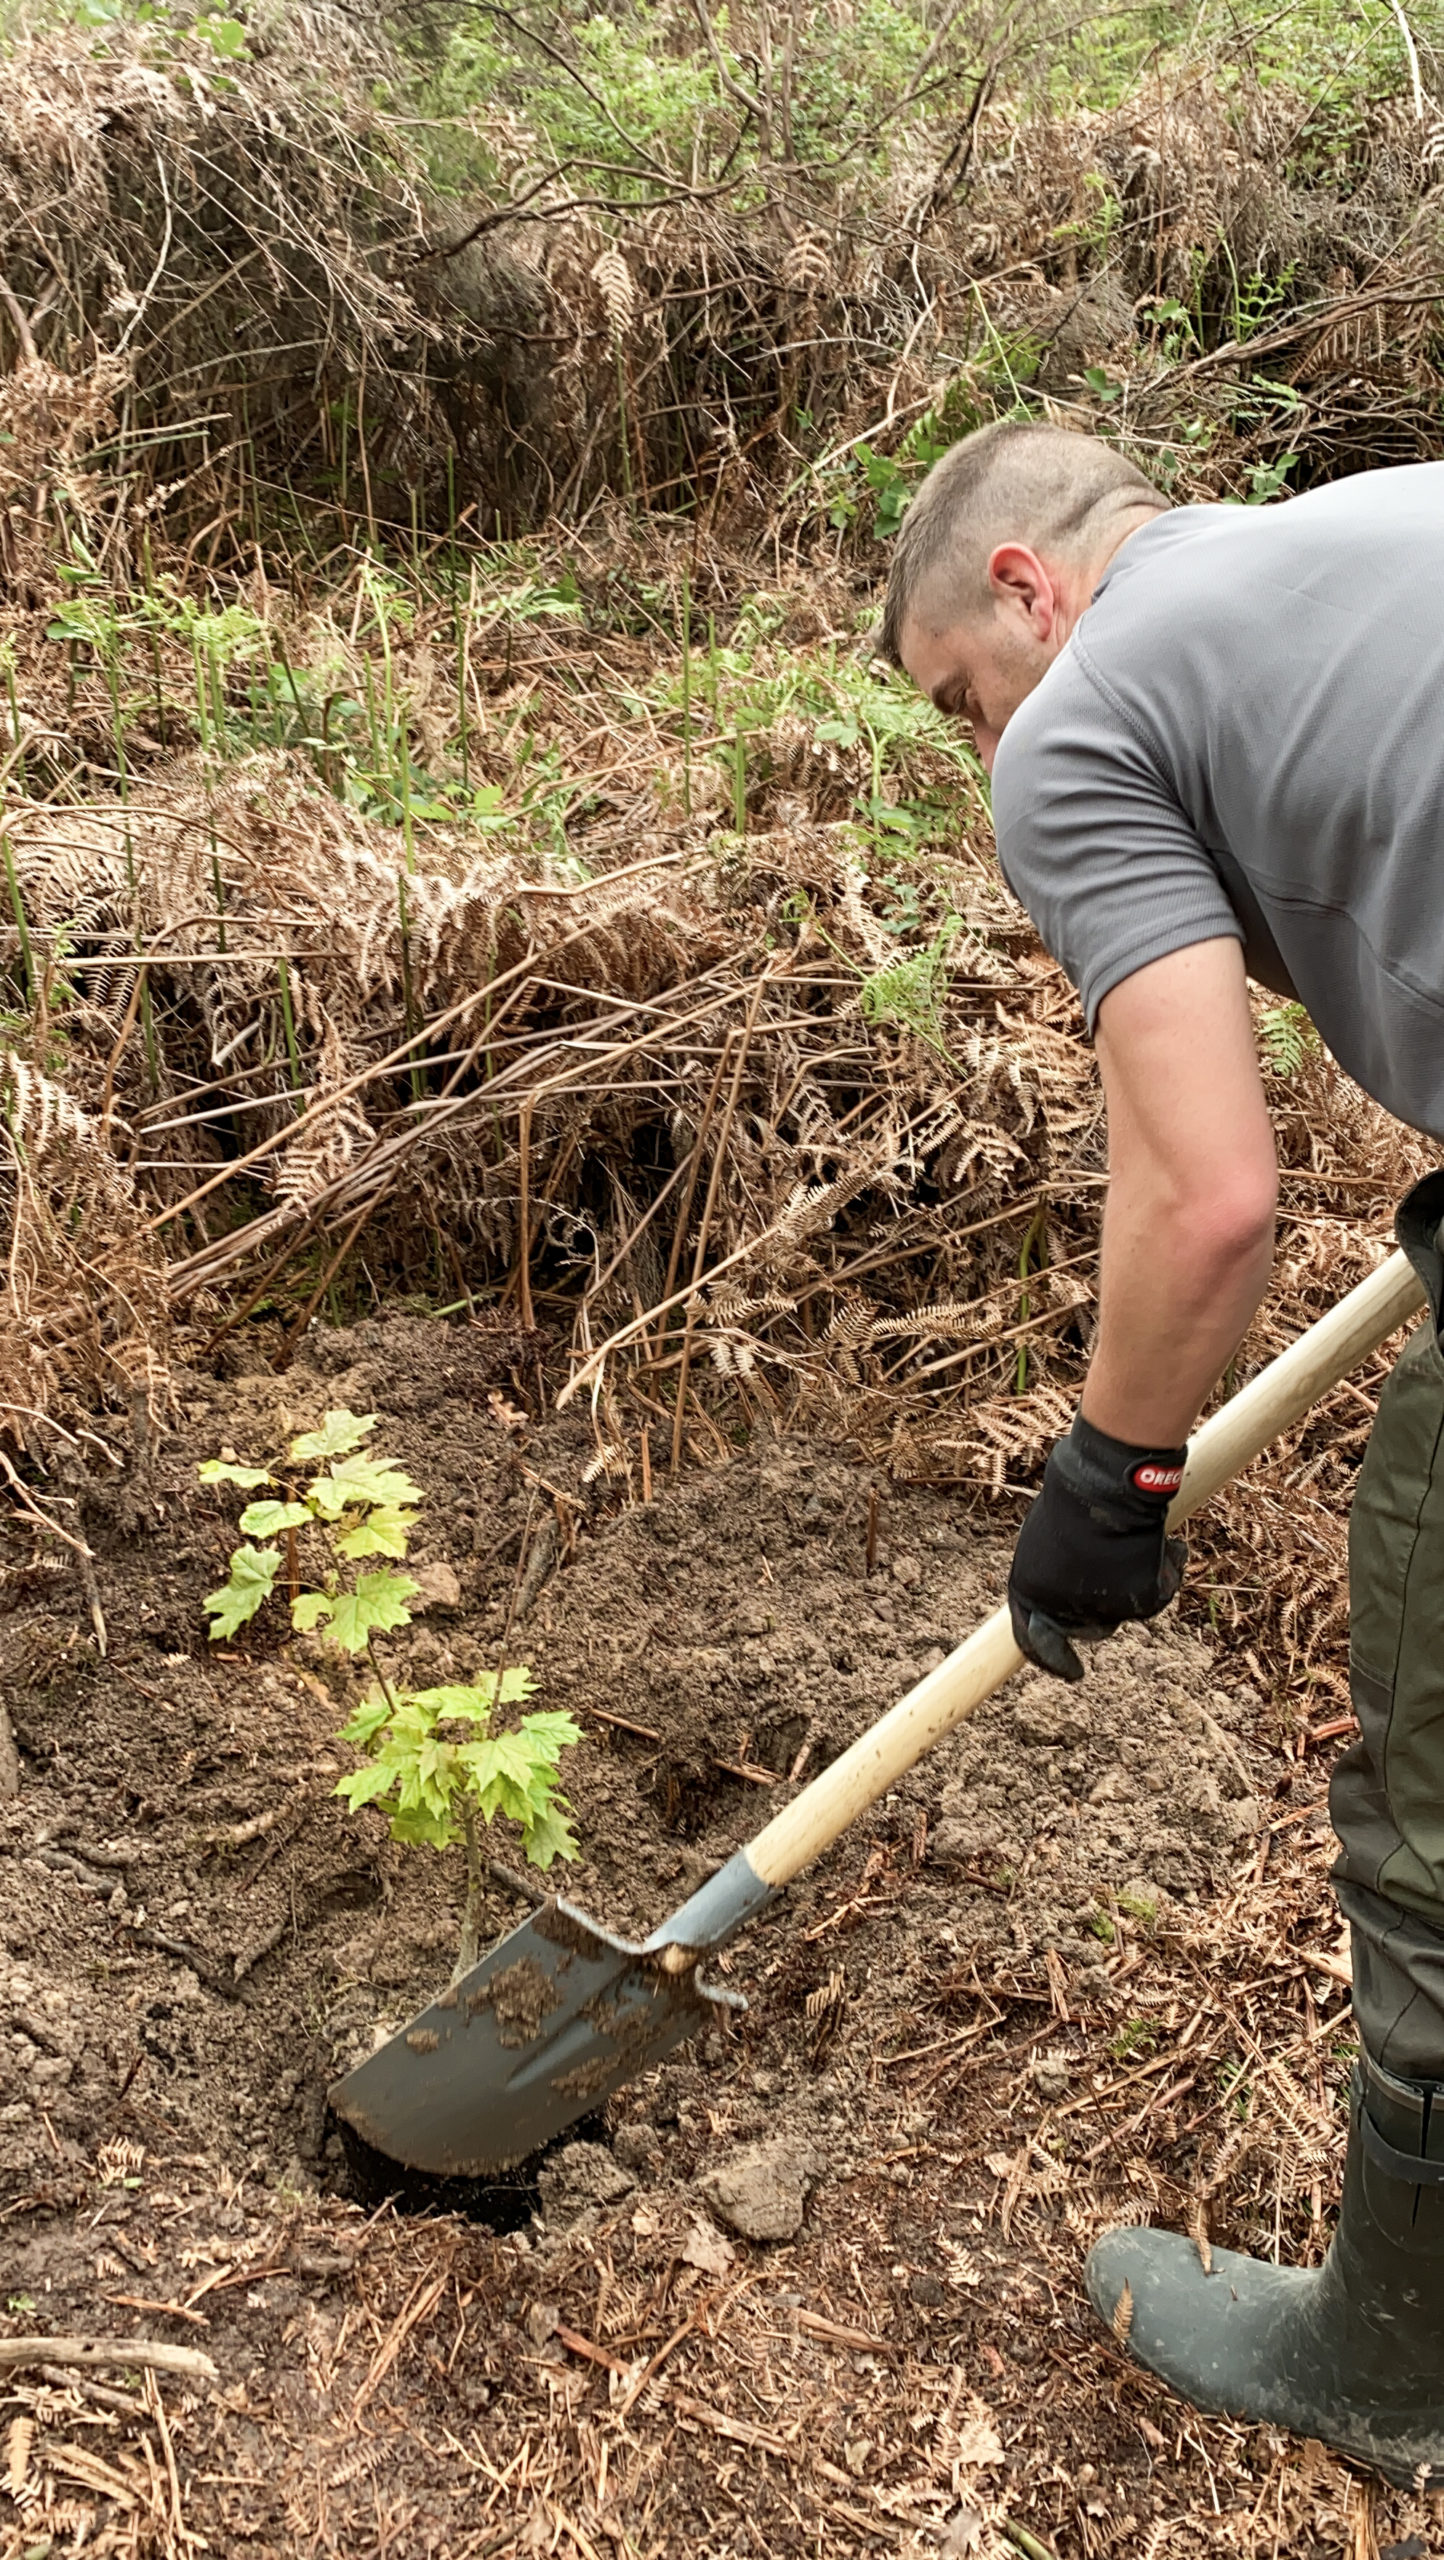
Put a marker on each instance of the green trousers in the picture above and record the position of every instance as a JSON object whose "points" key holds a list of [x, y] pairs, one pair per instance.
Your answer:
{"points": [[1387, 1798]]}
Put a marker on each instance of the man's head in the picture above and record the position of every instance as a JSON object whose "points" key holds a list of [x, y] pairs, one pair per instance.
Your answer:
{"points": [[998, 556]]}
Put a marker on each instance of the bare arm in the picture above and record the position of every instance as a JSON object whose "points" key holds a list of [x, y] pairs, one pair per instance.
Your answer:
{"points": [[1188, 1230]]}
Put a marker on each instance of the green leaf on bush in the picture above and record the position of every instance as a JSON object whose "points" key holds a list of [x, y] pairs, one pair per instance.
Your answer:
{"points": [[424, 1780], [457, 1698], [377, 1604], [366, 1721], [364, 1785], [339, 1432], [550, 1730], [549, 1836], [518, 1681], [383, 1532], [253, 1574], [225, 36], [423, 1830], [225, 1471], [359, 1484], [268, 1519]]}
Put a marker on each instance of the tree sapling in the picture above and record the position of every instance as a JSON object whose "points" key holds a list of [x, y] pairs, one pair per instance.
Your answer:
{"points": [[433, 1763]]}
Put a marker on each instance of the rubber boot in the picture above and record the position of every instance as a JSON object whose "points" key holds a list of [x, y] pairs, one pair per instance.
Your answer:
{"points": [[1351, 2352]]}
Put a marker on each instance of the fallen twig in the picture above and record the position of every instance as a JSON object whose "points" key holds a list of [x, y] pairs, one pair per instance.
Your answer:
{"points": [[110, 2354]]}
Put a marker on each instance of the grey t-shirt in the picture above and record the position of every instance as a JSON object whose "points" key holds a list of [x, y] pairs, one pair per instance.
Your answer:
{"points": [[1245, 735]]}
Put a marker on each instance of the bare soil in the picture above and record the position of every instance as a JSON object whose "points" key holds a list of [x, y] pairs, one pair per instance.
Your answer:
{"points": [[1061, 1975]]}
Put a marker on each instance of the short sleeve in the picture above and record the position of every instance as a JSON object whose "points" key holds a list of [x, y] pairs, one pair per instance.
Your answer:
{"points": [[1092, 840]]}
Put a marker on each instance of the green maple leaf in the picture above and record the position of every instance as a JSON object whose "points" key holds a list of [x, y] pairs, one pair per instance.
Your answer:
{"points": [[549, 1836], [339, 1432], [513, 1760], [424, 1830], [309, 1608], [383, 1533], [225, 1471], [268, 1519], [518, 1681], [433, 1767], [253, 1574], [510, 1774], [455, 1699], [377, 1604], [361, 1484], [550, 1731], [366, 1721], [410, 1725], [363, 1786]]}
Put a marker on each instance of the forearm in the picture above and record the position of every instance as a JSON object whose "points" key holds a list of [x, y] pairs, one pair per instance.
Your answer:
{"points": [[1180, 1277], [1187, 1244]]}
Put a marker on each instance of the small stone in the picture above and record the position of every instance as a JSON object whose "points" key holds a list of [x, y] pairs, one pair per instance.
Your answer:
{"points": [[579, 2176], [437, 1588], [542, 2322], [636, 2146], [926, 2291], [760, 2190], [1114, 1787], [908, 1571], [1050, 2077], [958, 1841]]}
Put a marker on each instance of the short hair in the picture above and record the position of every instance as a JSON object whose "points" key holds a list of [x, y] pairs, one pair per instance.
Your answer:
{"points": [[1012, 482]]}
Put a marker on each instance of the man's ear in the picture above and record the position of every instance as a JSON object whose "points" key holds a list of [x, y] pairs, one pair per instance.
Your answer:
{"points": [[1018, 578]]}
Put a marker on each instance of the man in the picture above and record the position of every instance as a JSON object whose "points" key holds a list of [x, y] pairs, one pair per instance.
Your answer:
{"points": [[1216, 740]]}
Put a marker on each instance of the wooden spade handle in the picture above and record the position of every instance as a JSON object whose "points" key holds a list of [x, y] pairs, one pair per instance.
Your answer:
{"points": [[1227, 1442]]}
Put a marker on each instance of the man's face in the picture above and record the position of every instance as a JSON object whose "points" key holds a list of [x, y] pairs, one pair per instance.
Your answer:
{"points": [[981, 667], [978, 671]]}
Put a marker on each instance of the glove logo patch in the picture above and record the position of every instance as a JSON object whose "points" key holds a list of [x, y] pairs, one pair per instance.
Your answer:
{"points": [[1149, 1477]]}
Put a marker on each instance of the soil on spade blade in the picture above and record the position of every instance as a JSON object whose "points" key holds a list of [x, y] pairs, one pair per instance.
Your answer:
{"points": [[195, 1935]]}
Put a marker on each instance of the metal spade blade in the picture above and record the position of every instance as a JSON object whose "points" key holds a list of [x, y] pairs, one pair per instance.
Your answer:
{"points": [[532, 2037]]}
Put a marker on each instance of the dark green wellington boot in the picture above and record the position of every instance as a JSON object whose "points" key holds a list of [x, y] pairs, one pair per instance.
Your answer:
{"points": [[1351, 2352]]}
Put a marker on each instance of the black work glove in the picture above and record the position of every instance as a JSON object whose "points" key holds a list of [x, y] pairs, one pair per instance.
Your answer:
{"points": [[1093, 1550]]}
